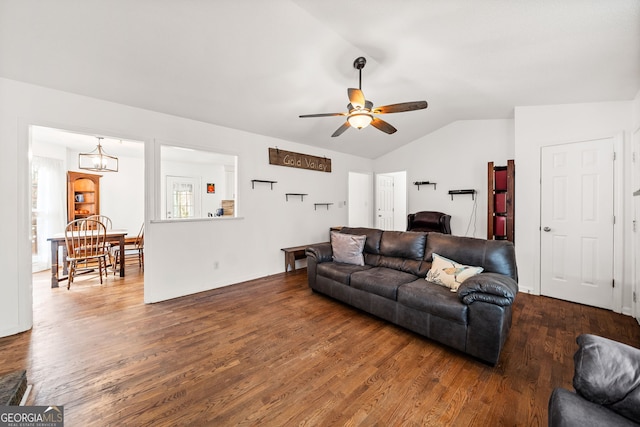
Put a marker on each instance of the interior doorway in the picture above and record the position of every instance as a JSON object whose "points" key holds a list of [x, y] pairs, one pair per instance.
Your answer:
{"points": [[53, 153], [391, 201], [360, 200], [577, 222]]}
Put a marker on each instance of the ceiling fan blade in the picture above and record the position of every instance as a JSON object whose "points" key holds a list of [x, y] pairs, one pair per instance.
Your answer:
{"points": [[383, 126], [356, 97], [341, 129], [324, 115], [399, 108]]}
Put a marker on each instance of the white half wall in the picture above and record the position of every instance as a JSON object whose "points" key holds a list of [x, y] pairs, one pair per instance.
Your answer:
{"points": [[180, 257]]}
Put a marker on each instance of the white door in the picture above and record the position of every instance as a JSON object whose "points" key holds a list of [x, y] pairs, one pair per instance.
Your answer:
{"points": [[384, 202], [577, 222]]}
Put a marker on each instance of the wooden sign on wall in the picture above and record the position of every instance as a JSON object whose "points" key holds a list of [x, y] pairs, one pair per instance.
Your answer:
{"points": [[298, 160]]}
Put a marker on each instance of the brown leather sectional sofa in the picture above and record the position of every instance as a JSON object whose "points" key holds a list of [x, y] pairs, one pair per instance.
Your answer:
{"points": [[391, 285]]}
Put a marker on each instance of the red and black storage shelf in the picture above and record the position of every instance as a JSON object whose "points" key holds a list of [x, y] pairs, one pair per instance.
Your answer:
{"points": [[500, 218]]}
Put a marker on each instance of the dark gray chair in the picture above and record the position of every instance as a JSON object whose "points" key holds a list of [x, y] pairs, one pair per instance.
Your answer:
{"points": [[607, 386], [429, 221]]}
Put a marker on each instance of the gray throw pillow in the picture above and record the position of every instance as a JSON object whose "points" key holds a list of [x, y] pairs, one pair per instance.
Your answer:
{"points": [[347, 248]]}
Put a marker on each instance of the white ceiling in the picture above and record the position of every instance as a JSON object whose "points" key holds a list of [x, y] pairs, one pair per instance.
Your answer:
{"points": [[256, 65]]}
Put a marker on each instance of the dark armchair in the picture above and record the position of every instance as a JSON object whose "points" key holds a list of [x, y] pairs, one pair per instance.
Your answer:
{"points": [[606, 380], [429, 221]]}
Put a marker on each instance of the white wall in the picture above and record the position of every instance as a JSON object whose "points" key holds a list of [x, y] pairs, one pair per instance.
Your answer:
{"points": [[454, 157], [636, 112], [540, 126], [180, 257]]}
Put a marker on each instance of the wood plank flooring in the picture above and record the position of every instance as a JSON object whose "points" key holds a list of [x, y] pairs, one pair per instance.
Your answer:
{"points": [[271, 352]]}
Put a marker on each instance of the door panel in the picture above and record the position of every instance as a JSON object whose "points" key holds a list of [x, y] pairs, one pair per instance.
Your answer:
{"points": [[384, 201], [577, 222]]}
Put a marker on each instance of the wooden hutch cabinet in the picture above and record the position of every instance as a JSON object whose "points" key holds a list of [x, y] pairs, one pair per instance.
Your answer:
{"points": [[83, 195]]}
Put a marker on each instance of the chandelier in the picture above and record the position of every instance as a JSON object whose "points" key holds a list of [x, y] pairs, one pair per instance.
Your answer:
{"points": [[98, 160]]}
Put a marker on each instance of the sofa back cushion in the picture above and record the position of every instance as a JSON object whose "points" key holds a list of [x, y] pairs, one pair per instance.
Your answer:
{"points": [[494, 256], [403, 244], [401, 250], [372, 244]]}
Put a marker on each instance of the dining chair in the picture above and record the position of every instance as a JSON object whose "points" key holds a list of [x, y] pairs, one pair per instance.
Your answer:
{"points": [[109, 226], [132, 251], [103, 219], [85, 240]]}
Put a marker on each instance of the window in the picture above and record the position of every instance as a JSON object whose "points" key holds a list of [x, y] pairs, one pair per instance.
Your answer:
{"points": [[197, 183]]}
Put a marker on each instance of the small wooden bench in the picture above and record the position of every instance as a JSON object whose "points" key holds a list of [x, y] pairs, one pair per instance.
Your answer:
{"points": [[292, 254]]}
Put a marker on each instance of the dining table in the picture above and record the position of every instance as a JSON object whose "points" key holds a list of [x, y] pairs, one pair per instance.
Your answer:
{"points": [[58, 240]]}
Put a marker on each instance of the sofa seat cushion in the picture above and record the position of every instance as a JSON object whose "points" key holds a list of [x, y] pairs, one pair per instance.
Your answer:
{"points": [[567, 409], [338, 271], [434, 299], [381, 281]]}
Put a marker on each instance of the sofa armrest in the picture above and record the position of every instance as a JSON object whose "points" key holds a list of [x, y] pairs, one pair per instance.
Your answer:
{"points": [[321, 252], [607, 372], [567, 409], [493, 288]]}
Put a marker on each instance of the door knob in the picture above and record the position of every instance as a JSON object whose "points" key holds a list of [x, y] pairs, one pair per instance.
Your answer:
{"points": [[547, 229]]}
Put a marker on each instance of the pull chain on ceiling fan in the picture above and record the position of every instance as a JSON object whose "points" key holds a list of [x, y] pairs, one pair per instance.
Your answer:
{"points": [[361, 112]]}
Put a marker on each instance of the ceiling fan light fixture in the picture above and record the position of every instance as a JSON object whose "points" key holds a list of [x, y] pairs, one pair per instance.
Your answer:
{"points": [[361, 110], [360, 120]]}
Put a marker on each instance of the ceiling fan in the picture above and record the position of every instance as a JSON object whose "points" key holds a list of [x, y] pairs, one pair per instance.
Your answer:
{"points": [[361, 112]]}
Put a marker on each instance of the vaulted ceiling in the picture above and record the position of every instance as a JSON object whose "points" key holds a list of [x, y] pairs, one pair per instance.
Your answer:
{"points": [[256, 65]]}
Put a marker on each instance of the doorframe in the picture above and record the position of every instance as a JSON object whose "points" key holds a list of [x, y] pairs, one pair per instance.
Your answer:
{"points": [[635, 217], [24, 200], [618, 212]]}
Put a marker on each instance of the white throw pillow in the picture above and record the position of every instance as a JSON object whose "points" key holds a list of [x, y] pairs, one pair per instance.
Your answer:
{"points": [[347, 248], [449, 273]]}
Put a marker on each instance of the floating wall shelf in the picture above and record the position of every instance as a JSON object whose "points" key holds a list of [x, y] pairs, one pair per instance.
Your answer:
{"points": [[315, 205], [296, 194], [253, 181], [419, 183], [457, 192]]}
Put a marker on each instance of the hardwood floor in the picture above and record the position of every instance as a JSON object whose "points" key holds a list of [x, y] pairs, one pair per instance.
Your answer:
{"points": [[272, 352]]}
